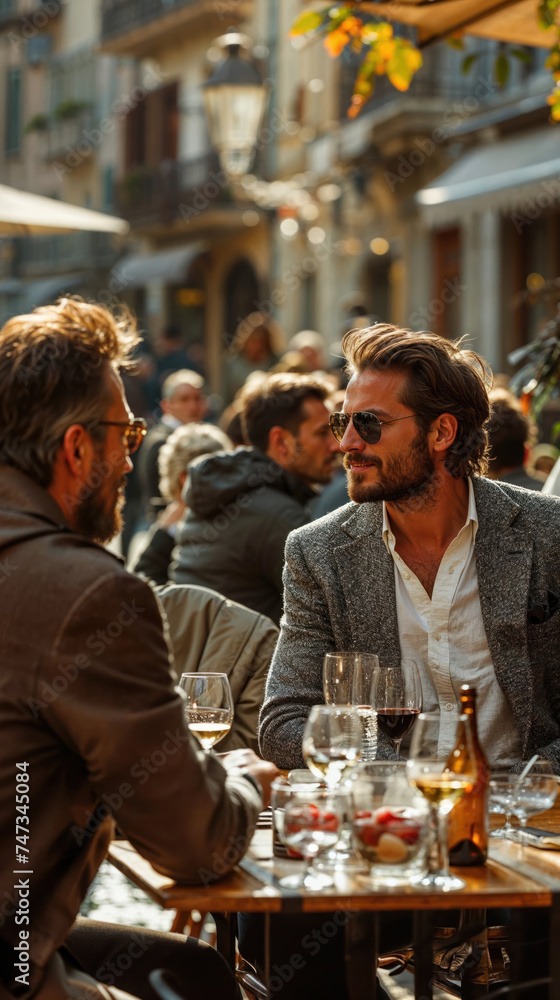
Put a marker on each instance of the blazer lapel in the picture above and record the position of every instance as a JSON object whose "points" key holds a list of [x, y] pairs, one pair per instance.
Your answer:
{"points": [[504, 558], [367, 581]]}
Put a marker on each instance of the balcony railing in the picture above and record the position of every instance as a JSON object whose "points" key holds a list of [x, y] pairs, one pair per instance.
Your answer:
{"points": [[67, 252], [151, 196], [135, 26]]}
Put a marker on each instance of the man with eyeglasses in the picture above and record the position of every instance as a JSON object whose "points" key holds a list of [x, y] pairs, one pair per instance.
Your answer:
{"points": [[90, 722], [432, 561]]}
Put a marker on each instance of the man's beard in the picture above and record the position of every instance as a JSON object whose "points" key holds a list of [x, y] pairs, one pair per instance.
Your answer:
{"points": [[407, 480], [96, 520]]}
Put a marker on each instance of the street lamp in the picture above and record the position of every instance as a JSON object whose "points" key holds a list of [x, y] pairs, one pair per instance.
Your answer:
{"points": [[235, 100]]}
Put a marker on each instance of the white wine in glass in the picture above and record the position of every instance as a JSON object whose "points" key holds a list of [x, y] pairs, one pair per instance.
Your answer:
{"points": [[442, 778], [331, 747], [208, 707]]}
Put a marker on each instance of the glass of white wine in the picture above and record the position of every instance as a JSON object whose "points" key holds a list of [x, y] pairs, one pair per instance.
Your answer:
{"points": [[443, 777], [332, 741], [207, 707]]}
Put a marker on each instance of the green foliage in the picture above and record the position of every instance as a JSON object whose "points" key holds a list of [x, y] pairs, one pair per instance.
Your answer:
{"points": [[468, 61], [539, 375], [501, 69], [39, 123], [70, 109]]}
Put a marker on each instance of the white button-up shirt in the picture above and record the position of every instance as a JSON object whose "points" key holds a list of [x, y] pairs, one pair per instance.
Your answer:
{"points": [[445, 636]]}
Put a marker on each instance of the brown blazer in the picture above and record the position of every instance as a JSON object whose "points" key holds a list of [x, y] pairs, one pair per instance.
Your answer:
{"points": [[87, 701]]}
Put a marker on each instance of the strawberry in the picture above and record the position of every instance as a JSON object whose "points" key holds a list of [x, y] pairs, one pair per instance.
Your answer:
{"points": [[387, 816], [362, 814], [368, 833]]}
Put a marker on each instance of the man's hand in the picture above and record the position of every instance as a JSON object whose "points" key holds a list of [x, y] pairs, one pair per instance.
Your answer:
{"points": [[247, 760]]}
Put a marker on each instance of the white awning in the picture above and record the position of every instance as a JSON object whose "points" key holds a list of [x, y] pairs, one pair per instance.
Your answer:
{"points": [[22, 214], [169, 266], [39, 293], [502, 176]]}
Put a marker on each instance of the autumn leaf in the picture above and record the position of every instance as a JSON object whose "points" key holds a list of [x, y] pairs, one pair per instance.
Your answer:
{"points": [[308, 21], [456, 41], [353, 25], [377, 32], [335, 41]]}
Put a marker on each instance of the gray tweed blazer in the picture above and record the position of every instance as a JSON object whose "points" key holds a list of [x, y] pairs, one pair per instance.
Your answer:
{"points": [[339, 594]]}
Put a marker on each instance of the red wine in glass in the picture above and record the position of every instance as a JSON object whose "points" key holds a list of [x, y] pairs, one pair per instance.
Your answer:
{"points": [[397, 700], [396, 723]]}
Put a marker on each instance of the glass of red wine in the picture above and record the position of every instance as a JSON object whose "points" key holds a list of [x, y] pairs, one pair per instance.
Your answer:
{"points": [[397, 700]]}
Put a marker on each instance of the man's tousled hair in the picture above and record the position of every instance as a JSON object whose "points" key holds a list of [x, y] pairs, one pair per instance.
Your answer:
{"points": [[441, 377], [53, 366], [277, 400]]}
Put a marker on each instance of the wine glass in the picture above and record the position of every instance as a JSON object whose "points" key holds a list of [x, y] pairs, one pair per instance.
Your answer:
{"points": [[338, 677], [308, 820], [347, 680], [443, 778], [207, 707], [332, 742], [397, 700], [331, 746], [502, 785], [535, 793]]}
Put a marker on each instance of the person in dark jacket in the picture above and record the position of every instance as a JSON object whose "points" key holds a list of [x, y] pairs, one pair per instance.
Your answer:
{"points": [[182, 402], [242, 506], [88, 711]]}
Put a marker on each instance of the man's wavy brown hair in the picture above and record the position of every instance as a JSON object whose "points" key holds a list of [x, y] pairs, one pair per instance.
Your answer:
{"points": [[53, 366], [441, 378]]}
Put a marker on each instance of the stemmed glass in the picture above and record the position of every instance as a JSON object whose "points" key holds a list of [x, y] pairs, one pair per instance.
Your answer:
{"points": [[331, 746], [502, 786], [207, 707], [308, 820], [535, 793], [522, 797], [348, 680], [397, 700], [443, 778]]}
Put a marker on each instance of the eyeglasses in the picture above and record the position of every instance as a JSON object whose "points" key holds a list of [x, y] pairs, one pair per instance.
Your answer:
{"points": [[134, 431], [366, 424]]}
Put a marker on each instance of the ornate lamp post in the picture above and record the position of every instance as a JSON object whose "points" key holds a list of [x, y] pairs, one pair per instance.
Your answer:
{"points": [[235, 100]]}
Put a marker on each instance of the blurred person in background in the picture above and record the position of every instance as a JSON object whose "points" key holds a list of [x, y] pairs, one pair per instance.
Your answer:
{"points": [[312, 346], [510, 435], [182, 446], [209, 633], [335, 493], [243, 505], [541, 460], [183, 402], [251, 350]]}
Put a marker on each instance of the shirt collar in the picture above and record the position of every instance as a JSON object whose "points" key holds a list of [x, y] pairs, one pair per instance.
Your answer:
{"points": [[472, 520]]}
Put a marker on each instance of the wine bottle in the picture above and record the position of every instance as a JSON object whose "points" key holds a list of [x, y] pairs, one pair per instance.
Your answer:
{"points": [[468, 820]]}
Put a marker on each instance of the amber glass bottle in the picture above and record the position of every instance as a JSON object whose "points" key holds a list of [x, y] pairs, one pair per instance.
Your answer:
{"points": [[468, 820]]}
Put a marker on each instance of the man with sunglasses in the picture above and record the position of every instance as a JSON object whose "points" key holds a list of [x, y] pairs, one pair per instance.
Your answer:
{"points": [[431, 561], [92, 729]]}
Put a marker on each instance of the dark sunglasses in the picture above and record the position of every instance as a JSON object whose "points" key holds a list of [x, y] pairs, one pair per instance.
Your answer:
{"points": [[134, 431], [366, 424]]}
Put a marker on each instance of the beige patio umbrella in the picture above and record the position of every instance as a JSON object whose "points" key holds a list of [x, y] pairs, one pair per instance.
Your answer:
{"points": [[24, 214], [504, 20]]}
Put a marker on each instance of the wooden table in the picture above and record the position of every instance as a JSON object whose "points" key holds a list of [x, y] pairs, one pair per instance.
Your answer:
{"points": [[524, 879]]}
